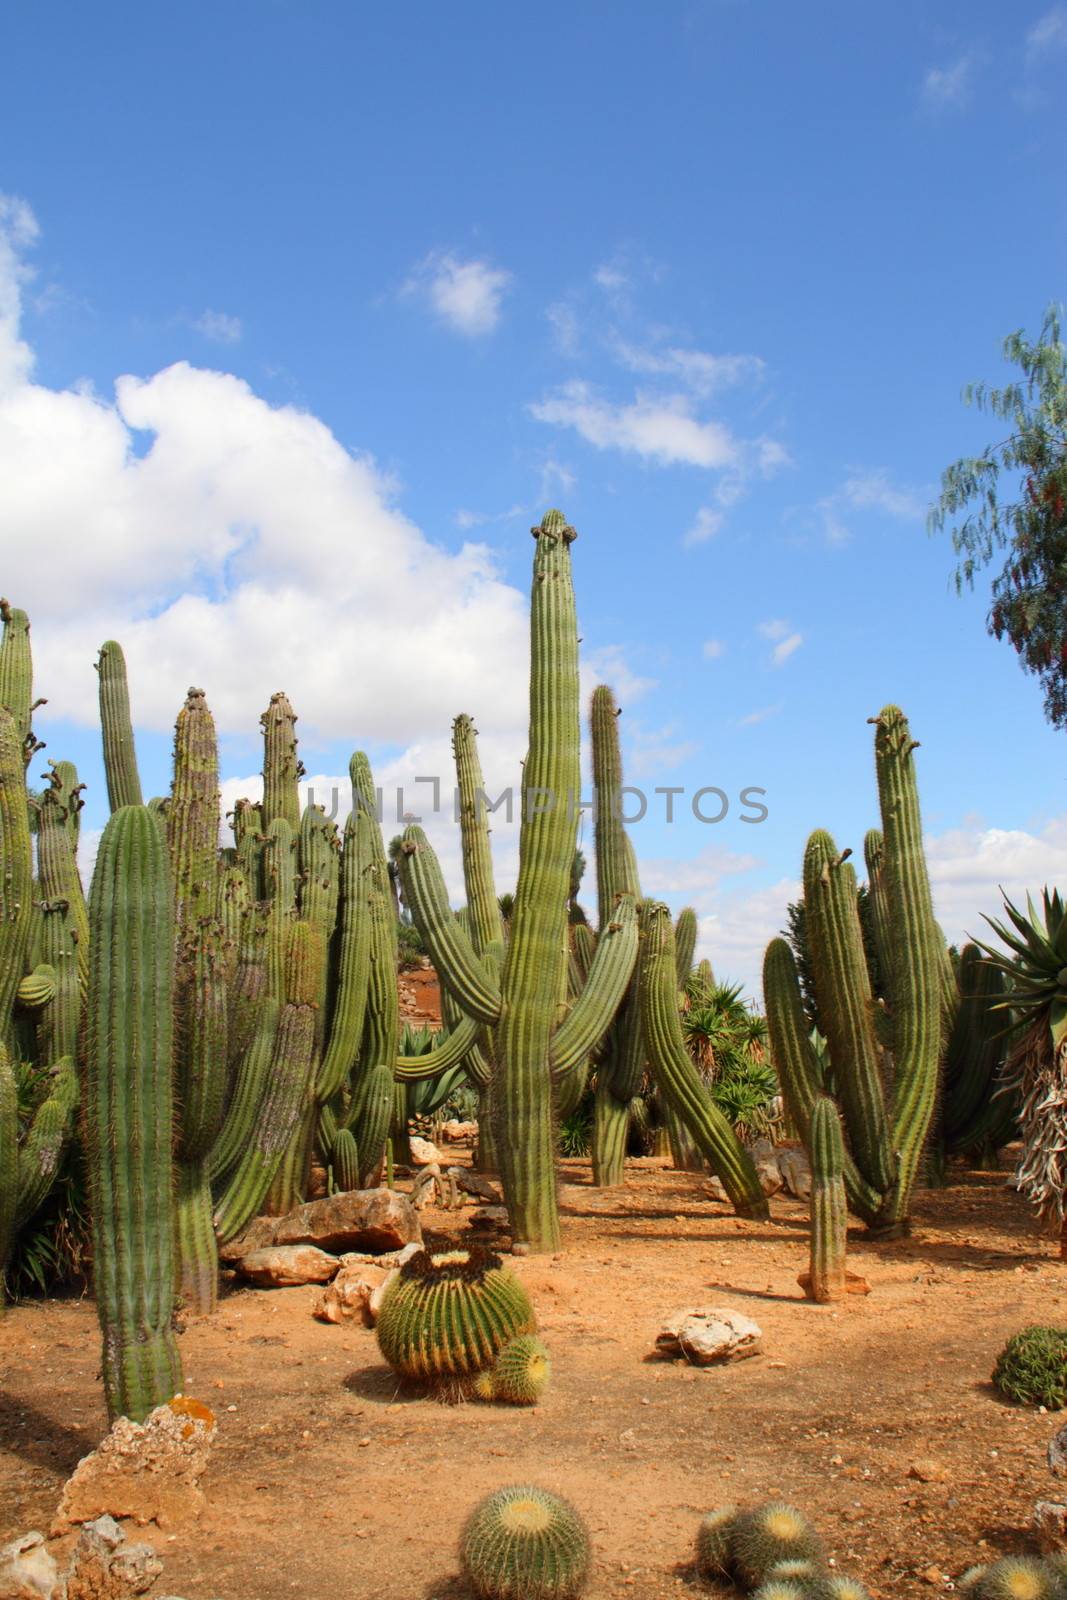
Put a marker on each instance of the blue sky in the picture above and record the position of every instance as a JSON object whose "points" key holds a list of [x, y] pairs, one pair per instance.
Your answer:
{"points": [[308, 311]]}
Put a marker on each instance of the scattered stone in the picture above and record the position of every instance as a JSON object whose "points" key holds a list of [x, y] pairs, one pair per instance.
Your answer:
{"points": [[454, 1132], [795, 1169], [765, 1159], [149, 1471], [105, 1567], [709, 1334], [715, 1190], [475, 1184], [362, 1219], [854, 1284], [489, 1217], [372, 1310], [284, 1266], [1057, 1453], [1050, 1525], [932, 1575], [928, 1470], [27, 1570], [423, 1151], [391, 1258], [349, 1294]]}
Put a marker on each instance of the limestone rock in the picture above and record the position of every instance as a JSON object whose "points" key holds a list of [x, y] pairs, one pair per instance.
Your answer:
{"points": [[765, 1160], [423, 1151], [283, 1266], [149, 1471], [1057, 1454], [796, 1172], [362, 1219], [104, 1567], [1050, 1524], [27, 1570], [391, 1258], [350, 1292], [454, 1132], [709, 1334]]}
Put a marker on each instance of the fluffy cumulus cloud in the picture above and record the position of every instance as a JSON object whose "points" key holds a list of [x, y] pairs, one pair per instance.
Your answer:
{"points": [[219, 327], [236, 545], [466, 295], [866, 491], [658, 428]]}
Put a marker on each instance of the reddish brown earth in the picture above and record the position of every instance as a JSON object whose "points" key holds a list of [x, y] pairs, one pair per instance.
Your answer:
{"points": [[420, 997], [329, 1481]]}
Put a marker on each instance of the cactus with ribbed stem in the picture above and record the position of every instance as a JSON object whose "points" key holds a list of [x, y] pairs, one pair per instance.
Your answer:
{"points": [[282, 769], [829, 1214], [279, 874], [447, 1316], [975, 1114], [886, 1141], [16, 676], [523, 1543], [9, 1156], [128, 1112], [120, 754], [675, 1073], [16, 868]]}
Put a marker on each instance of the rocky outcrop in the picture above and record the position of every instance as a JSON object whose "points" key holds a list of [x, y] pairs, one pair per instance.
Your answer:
{"points": [[149, 1471]]}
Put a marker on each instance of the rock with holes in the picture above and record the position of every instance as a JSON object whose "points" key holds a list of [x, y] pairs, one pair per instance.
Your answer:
{"points": [[709, 1335], [149, 1471], [103, 1566], [27, 1570]]}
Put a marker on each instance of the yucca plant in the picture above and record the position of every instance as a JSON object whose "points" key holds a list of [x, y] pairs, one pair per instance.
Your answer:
{"points": [[1035, 963]]}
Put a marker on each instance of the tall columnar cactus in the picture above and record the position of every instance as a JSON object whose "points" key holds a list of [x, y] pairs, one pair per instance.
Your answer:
{"points": [[534, 1040], [978, 1112], [829, 1213], [64, 930], [282, 770], [886, 1140], [129, 1112], [675, 1073], [372, 1086], [120, 755], [16, 867], [16, 674], [9, 1158]]}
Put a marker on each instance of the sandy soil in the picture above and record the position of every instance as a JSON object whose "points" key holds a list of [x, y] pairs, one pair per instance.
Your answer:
{"points": [[327, 1480]]}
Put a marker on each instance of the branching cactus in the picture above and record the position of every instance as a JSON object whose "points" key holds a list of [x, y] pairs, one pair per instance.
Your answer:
{"points": [[534, 1040], [868, 1047], [129, 1112]]}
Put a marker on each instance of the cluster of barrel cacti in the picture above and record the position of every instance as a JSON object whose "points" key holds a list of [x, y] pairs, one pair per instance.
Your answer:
{"points": [[771, 1551]]}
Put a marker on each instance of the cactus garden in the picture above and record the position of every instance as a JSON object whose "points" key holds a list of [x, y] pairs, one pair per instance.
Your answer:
{"points": [[533, 938]]}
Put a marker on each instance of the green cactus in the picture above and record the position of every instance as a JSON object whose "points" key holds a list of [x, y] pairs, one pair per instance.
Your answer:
{"points": [[829, 1216], [520, 1374], [1032, 1368], [675, 1073], [686, 929], [886, 1144], [16, 868], [976, 1115], [128, 1114], [764, 1538], [372, 1088], [344, 1158], [250, 1087], [714, 1542], [353, 956], [9, 1156], [282, 769], [446, 1317], [1018, 1578], [523, 1543], [120, 754], [16, 675], [319, 862]]}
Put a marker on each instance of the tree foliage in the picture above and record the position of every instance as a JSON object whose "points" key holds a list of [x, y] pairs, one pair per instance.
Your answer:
{"points": [[1013, 498]]}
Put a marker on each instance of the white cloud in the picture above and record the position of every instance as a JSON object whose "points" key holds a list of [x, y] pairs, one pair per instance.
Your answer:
{"points": [[713, 649], [611, 277], [866, 490], [948, 88], [762, 714], [219, 327], [969, 865], [785, 648], [774, 628], [697, 369], [466, 295], [705, 526], [566, 328], [608, 665], [658, 750], [1048, 33], [656, 428], [18, 232]]}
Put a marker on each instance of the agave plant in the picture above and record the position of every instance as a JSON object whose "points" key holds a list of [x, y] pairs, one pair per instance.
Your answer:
{"points": [[727, 1040], [1036, 965]]}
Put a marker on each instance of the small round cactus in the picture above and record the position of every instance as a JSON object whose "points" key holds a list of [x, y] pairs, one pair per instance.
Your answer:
{"points": [[715, 1542], [798, 1570], [521, 1372], [1018, 1578], [523, 1543], [774, 1533], [1032, 1367], [841, 1587], [966, 1581], [781, 1589], [447, 1316]]}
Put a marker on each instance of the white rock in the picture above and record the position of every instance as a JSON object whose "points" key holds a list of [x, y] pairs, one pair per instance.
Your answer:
{"points": [[796, 1172], [27, 1571], [423, 1151], [707, 1334]]}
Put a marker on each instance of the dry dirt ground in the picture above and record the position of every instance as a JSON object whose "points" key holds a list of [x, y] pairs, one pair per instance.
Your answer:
{"points": [[328, 1481]]}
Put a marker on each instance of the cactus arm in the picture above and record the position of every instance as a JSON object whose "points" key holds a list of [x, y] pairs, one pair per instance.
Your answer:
{"points": [[9, 1157], [915, 978], [16, 876], [874, 859], [797, 1065], [677, 1077], [319, 861], [353, 962], [451, 951], [282, 770], [46, 1141], [279, 874], [829, 1218], [128, 1115], [685, 943], [604, 991], [16, 676], [64, 779], [483, 909], [193, 813], [120, 754], [249, 1089], [449, 1051], [843, 989]]}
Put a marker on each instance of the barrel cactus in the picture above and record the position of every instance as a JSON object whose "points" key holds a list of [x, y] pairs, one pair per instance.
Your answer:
{"points": [[445, 1317], [1032, 1368], [764, 1538], [715, 1537], [519, 1375], [523, 1543]]}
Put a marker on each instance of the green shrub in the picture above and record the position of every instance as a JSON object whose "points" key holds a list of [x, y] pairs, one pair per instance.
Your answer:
{"points": [[1032, 1367]]}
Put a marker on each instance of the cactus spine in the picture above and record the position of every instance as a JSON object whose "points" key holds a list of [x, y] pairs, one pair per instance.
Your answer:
{"points": [[120, 755], [129, 1112], [829, 1217]]}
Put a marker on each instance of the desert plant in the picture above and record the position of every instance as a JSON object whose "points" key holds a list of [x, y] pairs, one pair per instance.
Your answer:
{"points": [[764, 1538], [523, 1543], [829, 1218], [1018, 1578], [1032, 1367], [520, 1373], [714, 1542], [446, 1317]]}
